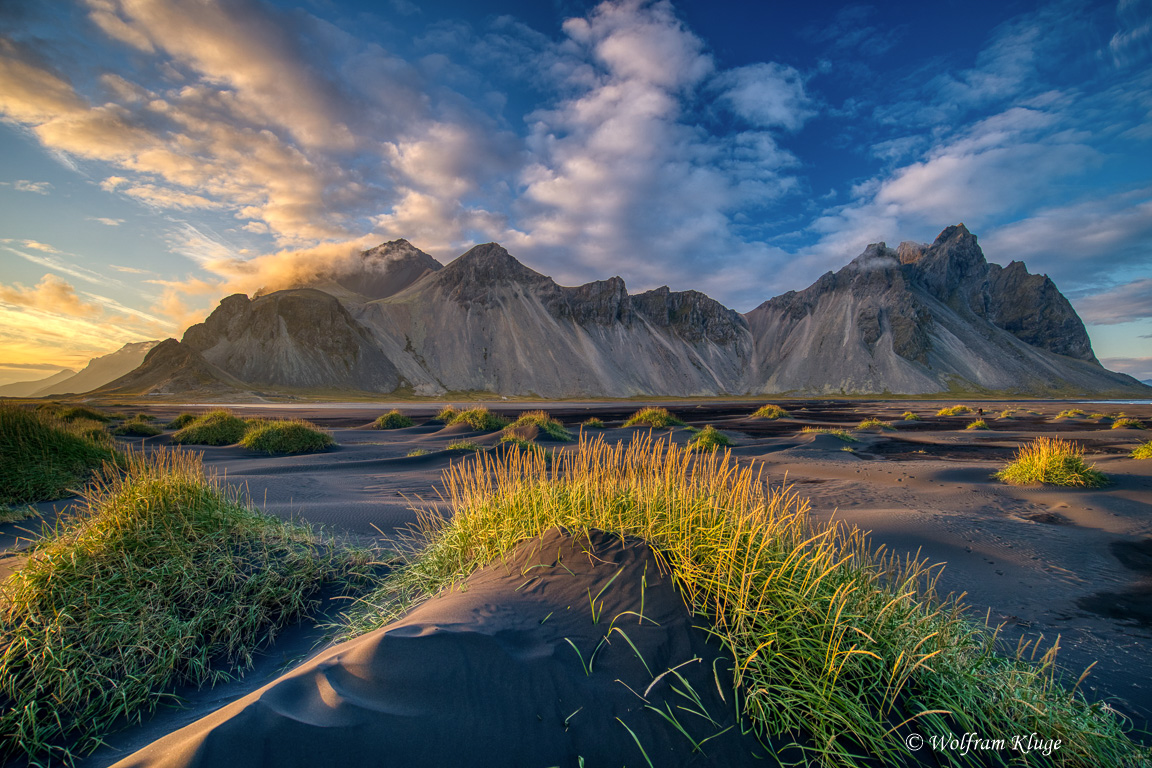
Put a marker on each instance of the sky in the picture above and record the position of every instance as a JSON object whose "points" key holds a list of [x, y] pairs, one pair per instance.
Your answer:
{"points": [[157, 155]]}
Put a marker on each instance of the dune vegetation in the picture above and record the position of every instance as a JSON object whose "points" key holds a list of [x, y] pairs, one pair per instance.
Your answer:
{"points": [[480, 419], [82, 413], [137, 426], [394, 419], [709, 439], [769, 411], [417, 452], [953, 410], [592, 423], [874, 424], [283, 436], [182, 420], [1052, 461], [843, 434], [164, 578], [43, 458], [1142, 451], [1127, 423], [545, 423], [838, 651], [910, 416], [446, 413], [1071, 413], [653, 417], [978, 424], [463, 445], [213, 428]]}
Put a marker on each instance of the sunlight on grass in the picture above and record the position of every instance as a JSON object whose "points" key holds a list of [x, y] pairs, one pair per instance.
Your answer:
{"points": [[909, 416], [1143, 451], [394, 419], [953, 410], [709, 439], [843, 434], [769, 411], [213, 428], [978, 424], [283, 436], [480, 419], [653, 417], [875, 424], [1052, 461], [545, 423], [1127, 423]]}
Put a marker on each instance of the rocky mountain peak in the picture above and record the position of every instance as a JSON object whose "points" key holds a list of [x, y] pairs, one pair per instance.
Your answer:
{"points": [[485, 266], [910, 252]]}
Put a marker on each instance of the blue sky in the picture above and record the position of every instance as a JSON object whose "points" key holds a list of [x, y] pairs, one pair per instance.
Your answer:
{"points": [[160, 155]]}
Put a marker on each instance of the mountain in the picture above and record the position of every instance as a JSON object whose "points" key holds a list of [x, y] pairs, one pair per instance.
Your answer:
{"points": [[917, 319], [923, 319], [26, 388], [101, 370]]}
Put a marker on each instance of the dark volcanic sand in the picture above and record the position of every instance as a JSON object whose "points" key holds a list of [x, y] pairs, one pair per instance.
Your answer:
{"points": [[1041, 561]]}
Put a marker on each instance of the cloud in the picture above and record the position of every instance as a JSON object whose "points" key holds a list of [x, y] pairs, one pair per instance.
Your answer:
{"points": [[1122, 304], [59, 265], [129, 270], [1132, 42], [39, 246], [51, 294], [1137, 367], [106, 221], [37, 187], [766, 95], [160, 197]]}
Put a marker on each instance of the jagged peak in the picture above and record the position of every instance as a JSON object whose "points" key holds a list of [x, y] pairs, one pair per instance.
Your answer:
{"points": [[911, 252], [489, 263], [875, 256]]}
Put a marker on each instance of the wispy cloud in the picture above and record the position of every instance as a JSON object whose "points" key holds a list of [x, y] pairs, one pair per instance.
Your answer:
{"points": [[24, 185], [58, 265], [106, 221], [1122, 304]]}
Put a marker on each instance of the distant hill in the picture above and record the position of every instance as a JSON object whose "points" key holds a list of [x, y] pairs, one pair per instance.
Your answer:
{"points": [[919, 319], [26, 388], [100, 370]]}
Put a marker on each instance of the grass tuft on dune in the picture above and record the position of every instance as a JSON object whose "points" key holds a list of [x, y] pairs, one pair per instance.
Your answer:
{"points": [[165, 578], [446, 413], [43, 458], [653, 417], [709, 439], [182, 421], [769, 411], [137, 426], [837, 649], [213, 428], [953, 410], [1052, 461], [480, 419], [910, 416], [978, 424], [283, 436], [1127, 423], [875, 424], [392, 420], [593, 423], [548, 425], [843, 434], [1142, 451]]}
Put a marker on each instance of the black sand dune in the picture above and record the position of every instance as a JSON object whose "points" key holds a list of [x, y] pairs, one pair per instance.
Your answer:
{"points": [[497, 674]]}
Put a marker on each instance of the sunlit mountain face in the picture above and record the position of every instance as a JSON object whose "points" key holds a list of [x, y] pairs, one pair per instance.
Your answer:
{"points": [[160, 156]]}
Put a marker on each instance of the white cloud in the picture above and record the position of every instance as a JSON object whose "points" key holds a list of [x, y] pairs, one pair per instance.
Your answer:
{"points": [[1122, 304], [106, 221], [37, 187], [768, 95]]}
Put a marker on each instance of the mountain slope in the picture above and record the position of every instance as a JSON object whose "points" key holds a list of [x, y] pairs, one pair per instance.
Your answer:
{"points": [[26, 388], [101, 370], [173, 368]]}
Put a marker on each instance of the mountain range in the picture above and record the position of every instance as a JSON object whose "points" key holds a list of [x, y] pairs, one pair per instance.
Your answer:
{"points": [[918, 319], [98, 372]]}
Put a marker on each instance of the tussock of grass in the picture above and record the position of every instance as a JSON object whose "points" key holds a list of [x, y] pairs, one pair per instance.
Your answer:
{"points": [[769, 411], [978, 424], [709, 439], [843, 434], [909, 416], [953, 410], [392, 420], [16, 514], [446, 414], [165, 578], [287, 436], [837, 648], [593, 423], [1071, 414], [874, 424], [1127, 424], [1143, 451], [138, 427], [182, 421], [417, 452], [80, 412], [213, 428], [479, 419], [653, 417], [548, 425], [43, 458], [463, 445], [1052, 461]]}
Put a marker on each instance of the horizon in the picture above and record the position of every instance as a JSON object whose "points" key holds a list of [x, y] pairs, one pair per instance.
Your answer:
{"points": [[164, 155]]}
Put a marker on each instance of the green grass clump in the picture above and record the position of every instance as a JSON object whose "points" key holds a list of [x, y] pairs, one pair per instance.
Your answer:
{"points": [[874, 424], [479, 419], [1142, 451], [182, 421], [835, 647], [843, 434], [593, 423], [463, 445], [1051, 461], [953, 410], [709, 439], [769, 412], [80, 412], [138, 427], [446, 414], [43, 458], [1071, 414], [978, 424], [16, 514], [653, 417], [548, 425], [287, 436], [909, 416], [213, 428], [1127, 424], [165, 578], [417, 452], [392, 420]]}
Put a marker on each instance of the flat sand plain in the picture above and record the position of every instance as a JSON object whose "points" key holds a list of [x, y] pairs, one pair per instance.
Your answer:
{"points": [[1041, 561]]}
